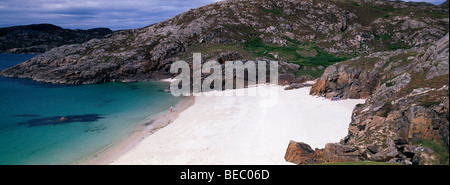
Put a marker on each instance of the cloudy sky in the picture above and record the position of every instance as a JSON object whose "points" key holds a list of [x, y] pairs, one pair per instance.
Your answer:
{"points": [[85, 14]]}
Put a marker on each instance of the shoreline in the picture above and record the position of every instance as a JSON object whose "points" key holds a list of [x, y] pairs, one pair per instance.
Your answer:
{"points": [[240, 130], [113, 151]]}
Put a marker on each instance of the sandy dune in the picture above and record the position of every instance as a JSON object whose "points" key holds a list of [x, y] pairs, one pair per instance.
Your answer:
{"points": [[244, 130]]}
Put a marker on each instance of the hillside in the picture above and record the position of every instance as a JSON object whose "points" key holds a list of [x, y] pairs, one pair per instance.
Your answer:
{"points": [[405, 117], [311, 35], [39, 38]]}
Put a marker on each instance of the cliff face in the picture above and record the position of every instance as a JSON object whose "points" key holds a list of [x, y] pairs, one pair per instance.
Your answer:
{"points": [[311, 34], [39, 38], [407, 102]]}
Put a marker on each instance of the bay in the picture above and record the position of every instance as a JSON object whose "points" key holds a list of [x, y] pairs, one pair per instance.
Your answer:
{"points": [[61, 124]]}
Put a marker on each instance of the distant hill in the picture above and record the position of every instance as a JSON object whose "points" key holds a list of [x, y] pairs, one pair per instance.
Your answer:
{"points": [[39, 38], [444, 4]]}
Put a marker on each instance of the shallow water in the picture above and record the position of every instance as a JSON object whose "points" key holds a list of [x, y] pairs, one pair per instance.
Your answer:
{"points": [[61, 124]]}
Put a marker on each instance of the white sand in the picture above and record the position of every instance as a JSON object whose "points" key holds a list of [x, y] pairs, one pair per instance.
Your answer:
{"points": [[168, 80], [244, 130]]}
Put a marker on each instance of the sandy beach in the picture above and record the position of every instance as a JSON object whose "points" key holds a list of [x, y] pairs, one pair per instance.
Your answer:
{"points": [[239, 129], [152, 125]]}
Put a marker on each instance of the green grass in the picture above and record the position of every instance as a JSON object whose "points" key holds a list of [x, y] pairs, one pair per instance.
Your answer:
{"points": [[314, 73], [397, 45], [289, 53], [438, 147], [386, 80], [255, 48], [390, 43], [382, 8], [390, 84], [382, 37], [355, 3]]}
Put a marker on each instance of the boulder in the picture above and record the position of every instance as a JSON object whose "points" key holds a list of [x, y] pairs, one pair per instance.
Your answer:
{"points": [[373, 149], [299, 153], [385, 155], [282, 78], [334, 153]]}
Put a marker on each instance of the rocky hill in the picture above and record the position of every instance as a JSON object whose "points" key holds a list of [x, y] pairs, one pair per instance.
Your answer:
{"points": [[39, 38], [309, 35], [405, 117]]}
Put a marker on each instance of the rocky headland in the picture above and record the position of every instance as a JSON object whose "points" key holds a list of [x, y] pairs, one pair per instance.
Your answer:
{"points": [[405, 117], [39, 38]]}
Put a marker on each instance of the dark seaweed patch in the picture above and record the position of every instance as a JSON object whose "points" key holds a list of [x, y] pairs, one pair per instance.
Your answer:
{"points": [[58, 120], [148, 123]]}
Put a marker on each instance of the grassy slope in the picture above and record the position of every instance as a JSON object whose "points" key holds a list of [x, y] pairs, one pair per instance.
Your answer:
{"points": [[255, 48], [309, 55], [438, 147]]}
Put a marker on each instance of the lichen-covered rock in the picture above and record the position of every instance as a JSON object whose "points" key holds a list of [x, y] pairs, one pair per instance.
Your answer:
{"points": [[407, 103], [385, 155]]}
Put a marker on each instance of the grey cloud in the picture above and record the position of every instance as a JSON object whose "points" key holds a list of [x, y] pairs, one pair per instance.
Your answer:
{"points": [[84, 14]]}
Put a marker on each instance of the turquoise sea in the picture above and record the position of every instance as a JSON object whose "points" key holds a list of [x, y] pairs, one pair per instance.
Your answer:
{"points": [[62, 124]]}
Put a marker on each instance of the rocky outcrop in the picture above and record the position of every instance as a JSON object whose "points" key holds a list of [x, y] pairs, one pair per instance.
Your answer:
{"points": [[302, 153], [407, 105], [299, 153], [39, 38], [395, 152], [346, 82], [333, 26], [297, 86]]}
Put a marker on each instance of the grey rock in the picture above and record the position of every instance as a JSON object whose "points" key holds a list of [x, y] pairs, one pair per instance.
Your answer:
{"points": [[385, 155], [373, 149], [399, 105]]}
